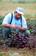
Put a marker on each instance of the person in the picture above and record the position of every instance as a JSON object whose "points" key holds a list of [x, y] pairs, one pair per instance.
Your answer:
{"points": [[18, 21], [14, 21]]}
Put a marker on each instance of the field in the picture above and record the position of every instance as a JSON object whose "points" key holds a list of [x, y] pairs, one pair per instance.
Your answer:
{"points": [[29, 8], [30, 13], [18, 52]]}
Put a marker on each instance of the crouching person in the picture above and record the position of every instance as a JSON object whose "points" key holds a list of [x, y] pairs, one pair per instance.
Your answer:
{"points": [[14, 20]]}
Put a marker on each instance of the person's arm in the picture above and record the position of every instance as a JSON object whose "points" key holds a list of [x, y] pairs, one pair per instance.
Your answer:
{"points": [[6, 25], [6, 20], [14, 26], [20, 28], [9, 26]]}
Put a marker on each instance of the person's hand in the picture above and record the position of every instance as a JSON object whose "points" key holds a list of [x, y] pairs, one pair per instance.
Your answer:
{"points": [[13, 26], [20, 28]]}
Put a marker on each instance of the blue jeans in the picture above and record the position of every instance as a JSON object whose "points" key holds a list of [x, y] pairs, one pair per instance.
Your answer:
{"points": [[6, 32]]}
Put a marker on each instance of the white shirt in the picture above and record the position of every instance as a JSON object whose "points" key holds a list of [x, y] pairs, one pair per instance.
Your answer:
{"points": [[7, 20]]}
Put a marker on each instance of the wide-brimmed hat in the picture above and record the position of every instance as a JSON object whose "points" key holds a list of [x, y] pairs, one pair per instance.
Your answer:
{"points": [[20, 10]]}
